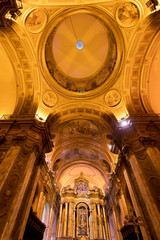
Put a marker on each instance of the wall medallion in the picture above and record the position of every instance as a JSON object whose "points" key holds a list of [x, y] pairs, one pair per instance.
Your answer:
{"points": [[112, 98], [36, 21], [49, 98], [127, 14]]}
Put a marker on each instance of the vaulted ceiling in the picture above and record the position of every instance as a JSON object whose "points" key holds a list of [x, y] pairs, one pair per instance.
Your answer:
{"points": [[84, 92]]}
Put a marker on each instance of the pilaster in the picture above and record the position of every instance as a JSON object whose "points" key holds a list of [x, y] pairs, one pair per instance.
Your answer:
{"points": [[140, 146], [22, 143], [60, 220]]}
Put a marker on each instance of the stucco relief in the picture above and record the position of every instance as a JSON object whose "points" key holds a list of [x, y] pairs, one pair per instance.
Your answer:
{"points": [[112, 98], [49, 98], [36, 21], [127, 14]]}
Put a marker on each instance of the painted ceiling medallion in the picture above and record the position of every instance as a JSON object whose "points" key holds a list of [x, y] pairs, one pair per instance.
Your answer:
{"points": [[127, 14], [49, 98], [81, 52], [36, 21], [112, 98]]}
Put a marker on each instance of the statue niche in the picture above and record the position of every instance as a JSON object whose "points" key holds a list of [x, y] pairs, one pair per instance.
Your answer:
{"points": [[82, 220]]}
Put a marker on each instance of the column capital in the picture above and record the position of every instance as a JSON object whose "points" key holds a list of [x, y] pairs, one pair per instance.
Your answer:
{"points": [[8, 6], [143, 131], [28, 133]]}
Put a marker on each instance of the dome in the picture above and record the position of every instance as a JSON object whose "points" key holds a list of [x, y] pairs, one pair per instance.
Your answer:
{"points": [[81, 52]]}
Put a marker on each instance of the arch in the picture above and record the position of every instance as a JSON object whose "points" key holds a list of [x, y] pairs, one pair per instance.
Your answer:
{"points": [[150, 84], [93, 174], [86, 111], [135, 59], [23, 61], [8, 89]]}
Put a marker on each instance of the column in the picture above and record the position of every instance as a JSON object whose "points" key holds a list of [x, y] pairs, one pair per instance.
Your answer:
{"points": [[91, 221], [51, 222], [19, 171], [141, 166], [136, 205], [100, 221], [117, 223], [60, 220], [65, 219], [96, 233], [105, 222], [123, 205], [117, 233], [70, 222], [108, 224], [74, 218]]}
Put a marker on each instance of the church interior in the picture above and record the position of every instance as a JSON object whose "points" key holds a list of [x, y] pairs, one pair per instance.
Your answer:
{"points": [[80, 120]]}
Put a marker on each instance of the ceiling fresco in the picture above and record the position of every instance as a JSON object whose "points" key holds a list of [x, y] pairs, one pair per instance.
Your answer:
{"points": [[82, 153], [79, 127], [82, 90], [81, 68]]}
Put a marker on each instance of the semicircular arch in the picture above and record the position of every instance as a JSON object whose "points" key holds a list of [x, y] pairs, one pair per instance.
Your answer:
{"points": [[135, 60], [22, 58]]}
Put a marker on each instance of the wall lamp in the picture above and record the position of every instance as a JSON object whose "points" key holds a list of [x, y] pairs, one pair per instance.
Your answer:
{"points": [[124, 123]]}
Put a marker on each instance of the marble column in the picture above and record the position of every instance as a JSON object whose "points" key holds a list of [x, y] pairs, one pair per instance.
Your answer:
{"points": [[74, 218], [100, 222], [116, 229], [60, 220], [96, 232], [136, 205], [117, 222], [91, 223], [141, 165], [65, 219], [105, 222], [123, 206], [70, 221]]}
